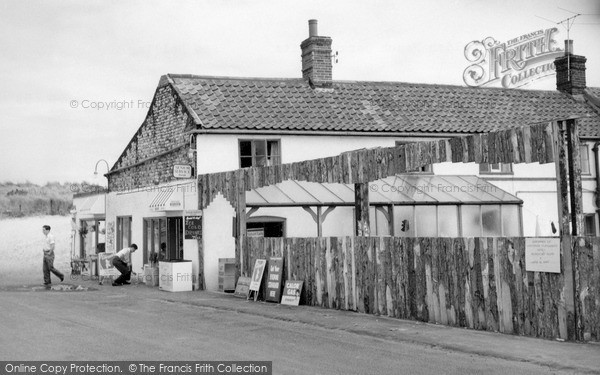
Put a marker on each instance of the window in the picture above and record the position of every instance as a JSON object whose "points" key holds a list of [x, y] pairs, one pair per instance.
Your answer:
{"points": [[123, 232], [155, 240], [500, 168], [92, 237], [259, 153], [584, 158], [589, 223]]}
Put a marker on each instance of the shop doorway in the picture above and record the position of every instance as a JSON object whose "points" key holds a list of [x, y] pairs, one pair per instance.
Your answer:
{"points": [[163, 239]]}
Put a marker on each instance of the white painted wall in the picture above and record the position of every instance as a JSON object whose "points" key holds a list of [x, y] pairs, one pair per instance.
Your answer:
{"points": [[217, 238]]}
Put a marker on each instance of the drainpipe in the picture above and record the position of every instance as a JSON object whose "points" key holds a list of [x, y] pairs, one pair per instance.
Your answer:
{"points": [[597, 168]]}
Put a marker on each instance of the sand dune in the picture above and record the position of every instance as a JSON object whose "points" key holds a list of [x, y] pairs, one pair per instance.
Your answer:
{"points": [[21, 248]]}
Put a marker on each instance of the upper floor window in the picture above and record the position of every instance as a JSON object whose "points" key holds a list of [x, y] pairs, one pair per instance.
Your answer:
{"points": [[502, 168], [584, 157], [259, 153]]}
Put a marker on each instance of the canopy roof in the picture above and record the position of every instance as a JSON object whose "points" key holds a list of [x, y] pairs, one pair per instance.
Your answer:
{"points": [[406, 189]]}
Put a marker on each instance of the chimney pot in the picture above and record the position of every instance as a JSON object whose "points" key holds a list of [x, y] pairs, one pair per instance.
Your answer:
{"points": [[568, 47], [313, 28]]}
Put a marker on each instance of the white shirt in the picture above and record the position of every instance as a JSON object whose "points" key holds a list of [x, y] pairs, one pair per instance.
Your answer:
{"points": [[48, 242], [125, 255]]}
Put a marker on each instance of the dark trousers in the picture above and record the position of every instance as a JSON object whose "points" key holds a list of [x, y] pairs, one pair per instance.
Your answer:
{"points": [[49, 267], [123, 268]]}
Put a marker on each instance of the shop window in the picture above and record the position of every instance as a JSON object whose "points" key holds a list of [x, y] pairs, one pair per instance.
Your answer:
{"points": [[498, 168], [123, 232], [259, 153], [155, 240], [92, 234], [589, 222], [584, 157], [265, 226]]}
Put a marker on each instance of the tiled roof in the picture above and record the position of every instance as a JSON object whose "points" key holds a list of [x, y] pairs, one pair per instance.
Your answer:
{"points": [[259, 104]]}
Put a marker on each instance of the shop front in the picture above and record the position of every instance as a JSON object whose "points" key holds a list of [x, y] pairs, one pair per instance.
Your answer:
{"points": [[154, 218]]}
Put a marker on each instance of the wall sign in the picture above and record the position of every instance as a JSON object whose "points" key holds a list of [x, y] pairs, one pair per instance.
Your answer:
{"points": [[193, 227], [274, 279], [182, 171], [292, 292], [542, 254]]}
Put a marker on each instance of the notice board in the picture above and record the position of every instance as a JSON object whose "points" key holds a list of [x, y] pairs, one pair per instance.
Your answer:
{"points": [[274, 277], [542, 254], [193, 227], [292, 292]]}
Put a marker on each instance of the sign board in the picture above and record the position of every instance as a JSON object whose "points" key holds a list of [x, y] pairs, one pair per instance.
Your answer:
{"points": [[182, 171], [257, 274], [255, 232], [274, 276], [105, 266], [243, 287], [193, 227], [292, 292], [542, 254]]}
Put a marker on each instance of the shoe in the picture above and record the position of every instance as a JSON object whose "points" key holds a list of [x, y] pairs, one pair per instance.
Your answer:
{"points": [[126, 283], [62, 278], [116, 284]]}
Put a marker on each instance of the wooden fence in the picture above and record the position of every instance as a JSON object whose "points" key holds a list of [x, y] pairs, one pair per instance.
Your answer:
{"points": [[478, 283]]}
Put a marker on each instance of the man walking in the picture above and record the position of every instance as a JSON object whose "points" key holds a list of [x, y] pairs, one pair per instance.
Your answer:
{"points": [[122, 262], [49, 257]]}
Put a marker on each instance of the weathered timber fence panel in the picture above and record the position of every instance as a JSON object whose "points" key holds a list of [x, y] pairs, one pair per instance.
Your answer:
{"points": [[587, 287], [478, 283]]}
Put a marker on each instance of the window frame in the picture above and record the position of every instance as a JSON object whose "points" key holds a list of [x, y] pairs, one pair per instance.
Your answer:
{"points": [[504, 168], [585, 150], [275, 158]]}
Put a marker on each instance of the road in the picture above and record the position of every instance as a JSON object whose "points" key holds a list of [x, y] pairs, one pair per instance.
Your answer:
{"points": [[140, 323]]}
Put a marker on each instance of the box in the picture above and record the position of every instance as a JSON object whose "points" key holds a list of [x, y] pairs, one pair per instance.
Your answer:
{"points": [[150, 275], [227, 274], [175, 276]]}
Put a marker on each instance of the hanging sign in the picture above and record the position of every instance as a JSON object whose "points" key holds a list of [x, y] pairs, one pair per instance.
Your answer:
{"points": [[542, 254], [274, 279], [292, 292], [193, 227]]}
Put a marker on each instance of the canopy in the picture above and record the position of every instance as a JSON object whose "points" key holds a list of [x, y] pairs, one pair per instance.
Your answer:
{"points": [[406, 189]]}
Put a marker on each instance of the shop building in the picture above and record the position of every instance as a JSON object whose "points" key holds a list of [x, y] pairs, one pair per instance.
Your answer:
{"points": [[199, 125]]}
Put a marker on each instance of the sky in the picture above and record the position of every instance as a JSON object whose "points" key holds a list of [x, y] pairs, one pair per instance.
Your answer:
{"points": [[60, 61]]}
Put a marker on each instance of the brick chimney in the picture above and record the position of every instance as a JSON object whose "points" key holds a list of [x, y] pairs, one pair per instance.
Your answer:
{"points": [[570, 71], [316, 57]]}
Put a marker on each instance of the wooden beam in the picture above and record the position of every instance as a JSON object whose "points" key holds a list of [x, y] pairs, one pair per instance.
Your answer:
{"points": [[361, 209], [573, 145]]}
